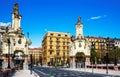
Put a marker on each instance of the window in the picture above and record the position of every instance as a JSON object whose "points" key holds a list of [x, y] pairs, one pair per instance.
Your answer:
{"points": [[67, 47], [50, 47], [57, 53], [50, 42], [65, 35], [57, 43], [59, 35], [51, 34], [50, 52], [63, 47], [57, 47], [57, 39], [63, 43], [50, 38], [64, 53]]}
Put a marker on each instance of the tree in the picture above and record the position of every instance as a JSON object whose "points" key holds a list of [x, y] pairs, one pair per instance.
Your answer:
{"points": [[118, 55], [114, 53], [111, 55], [98, 56], [93, 56]]}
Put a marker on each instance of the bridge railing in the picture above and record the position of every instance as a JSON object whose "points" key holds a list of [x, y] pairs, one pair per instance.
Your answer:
{"points": [[103, 66]]}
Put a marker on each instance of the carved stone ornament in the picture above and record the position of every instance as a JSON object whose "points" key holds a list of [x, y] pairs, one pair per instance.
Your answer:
{"points": [[19, 41]]}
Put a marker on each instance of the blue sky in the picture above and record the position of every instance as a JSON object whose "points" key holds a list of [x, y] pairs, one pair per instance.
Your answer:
{"points": [[99, 17]]}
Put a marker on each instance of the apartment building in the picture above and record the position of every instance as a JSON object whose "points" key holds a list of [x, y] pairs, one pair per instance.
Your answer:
{"points": [[55, 48], [102, 46], [36, 55]]}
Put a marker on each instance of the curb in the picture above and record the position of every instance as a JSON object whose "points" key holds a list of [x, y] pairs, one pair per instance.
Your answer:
{"points": [[35, 74]]}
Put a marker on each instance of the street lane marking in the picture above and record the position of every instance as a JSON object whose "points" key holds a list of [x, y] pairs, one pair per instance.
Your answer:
{"points": [[40, 72], [108, 76], [65, 75]]}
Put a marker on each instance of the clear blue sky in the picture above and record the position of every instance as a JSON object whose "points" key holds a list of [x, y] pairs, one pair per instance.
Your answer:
{"points": [[100, 17]]}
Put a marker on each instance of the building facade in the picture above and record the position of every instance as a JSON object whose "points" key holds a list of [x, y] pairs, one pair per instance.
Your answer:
{"points": [[55, 48], [102, 46], [14, 45], [117, 42], [99, 46], [36, 55]]}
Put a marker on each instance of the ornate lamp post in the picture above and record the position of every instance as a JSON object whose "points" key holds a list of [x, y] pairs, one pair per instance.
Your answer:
{"points": [[40, 59], [92, 56], [108, 45], [31, 61], [115, 52], [115, 62], [8, 41], [7, 38], [102, 48]]}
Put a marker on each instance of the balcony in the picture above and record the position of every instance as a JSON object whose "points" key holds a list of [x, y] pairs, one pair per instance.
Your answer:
{"points": [[51, 40], [58, 45], [50, 49], [57, 49], [57, 56]]}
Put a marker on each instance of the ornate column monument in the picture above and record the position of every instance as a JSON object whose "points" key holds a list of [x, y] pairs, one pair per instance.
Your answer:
{"points": [[79, 48]]}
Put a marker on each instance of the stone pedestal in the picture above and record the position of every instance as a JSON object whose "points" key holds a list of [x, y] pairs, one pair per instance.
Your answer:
{"points": [[87, 61], [5, 63], [116, 68], [72, 65], [25, 64], [72, 62]]}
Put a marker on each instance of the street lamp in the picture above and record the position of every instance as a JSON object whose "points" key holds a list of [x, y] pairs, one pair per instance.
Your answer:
{"points": [[107, 63], [31, 63], [92, 55], [102, 48], [108, 45], [115, 62], [8, 41], [115, 50]]}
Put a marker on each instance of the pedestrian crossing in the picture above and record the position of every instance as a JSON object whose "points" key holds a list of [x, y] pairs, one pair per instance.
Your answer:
{"points": [[53, 72]]}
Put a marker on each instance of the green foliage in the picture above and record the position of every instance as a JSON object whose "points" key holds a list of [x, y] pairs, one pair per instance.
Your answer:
{"points": [[99, 55], [114, 53], [93, 56], [118, 52]]}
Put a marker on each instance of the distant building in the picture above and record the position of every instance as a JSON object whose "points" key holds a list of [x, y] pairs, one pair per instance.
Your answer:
{"points": [[36, 55], [103, 45], [117, 42], [55, 47], [97, 42], [99, 46]]}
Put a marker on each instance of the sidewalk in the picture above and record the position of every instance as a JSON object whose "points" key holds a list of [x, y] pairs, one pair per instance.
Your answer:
{"points": [[25, 73], [99, 71]]}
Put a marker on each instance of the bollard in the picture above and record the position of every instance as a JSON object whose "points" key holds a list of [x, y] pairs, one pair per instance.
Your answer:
{"points": [[1, 74], [50, 73], [92, 70]]}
